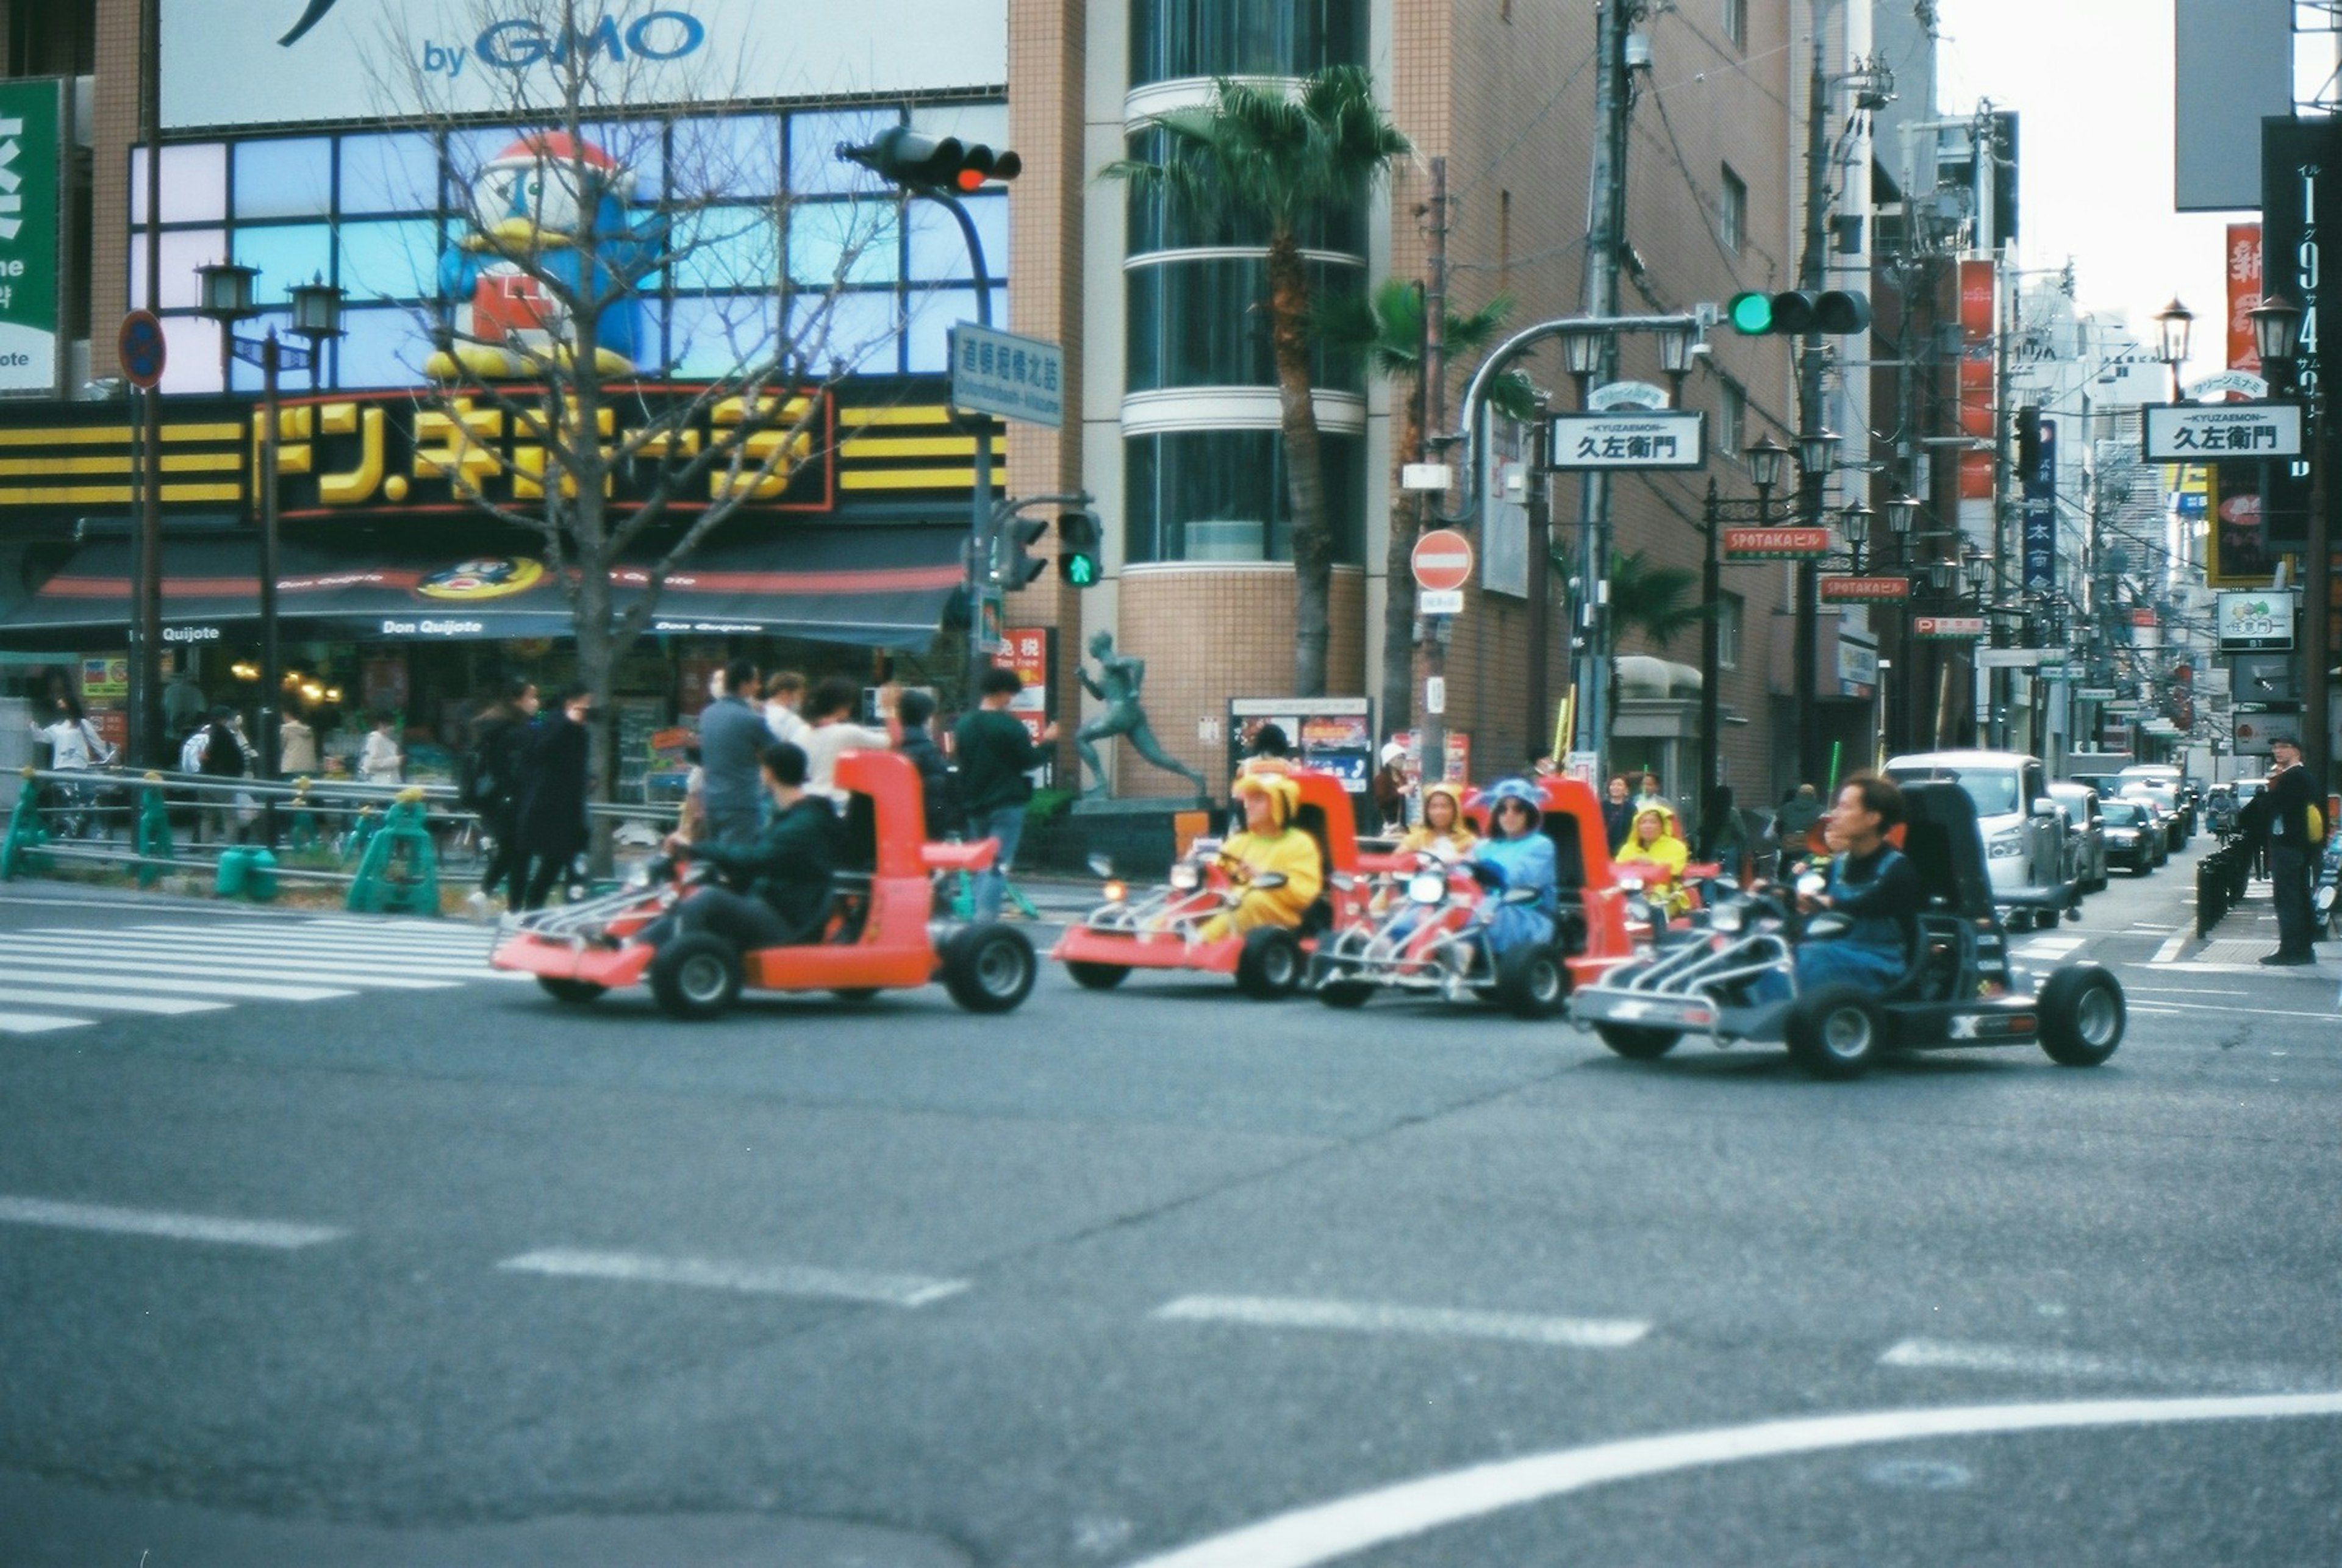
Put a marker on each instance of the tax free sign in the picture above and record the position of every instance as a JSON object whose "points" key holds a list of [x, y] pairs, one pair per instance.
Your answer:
{"points": [[285, 62], [29, 113]]}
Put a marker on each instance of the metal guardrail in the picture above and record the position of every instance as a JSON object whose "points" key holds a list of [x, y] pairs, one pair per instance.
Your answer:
{"points": [[2220, 879]]}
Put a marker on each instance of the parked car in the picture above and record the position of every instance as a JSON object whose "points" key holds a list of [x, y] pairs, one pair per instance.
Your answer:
{"points": [[2085, 837], [2130, 835], [2024, 841]]}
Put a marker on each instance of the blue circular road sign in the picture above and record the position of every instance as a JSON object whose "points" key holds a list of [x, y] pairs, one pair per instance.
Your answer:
{"points": [[140, 349]]}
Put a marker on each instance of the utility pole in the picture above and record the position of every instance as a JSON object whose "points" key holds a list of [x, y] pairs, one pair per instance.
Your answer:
{"points": [[1432, 632], [1808, 350], [1606, 235]]}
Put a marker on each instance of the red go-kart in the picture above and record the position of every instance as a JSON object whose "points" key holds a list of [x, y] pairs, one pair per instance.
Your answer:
{"points": [[1428, 939], [876, 934], [1161, 929]]}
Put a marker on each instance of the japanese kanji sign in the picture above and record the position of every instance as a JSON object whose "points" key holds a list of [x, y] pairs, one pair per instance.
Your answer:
{"points": [[1629, 438], [1001, 373], [2040, 485], [2221, 432], [1947, 625]]}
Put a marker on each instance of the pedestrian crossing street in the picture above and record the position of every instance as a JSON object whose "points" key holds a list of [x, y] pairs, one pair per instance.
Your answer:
{"points": [[63, 977]]}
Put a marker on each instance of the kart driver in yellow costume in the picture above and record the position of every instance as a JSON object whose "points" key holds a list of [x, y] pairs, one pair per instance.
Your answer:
{"points": [[1270, 851]]}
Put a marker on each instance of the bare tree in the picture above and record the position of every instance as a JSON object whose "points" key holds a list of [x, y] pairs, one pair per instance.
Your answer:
{"points": [[554, 425]]}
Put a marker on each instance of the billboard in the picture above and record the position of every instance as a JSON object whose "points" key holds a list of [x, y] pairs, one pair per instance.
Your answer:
{"points": [[291, 62], [2232, 66], [29, 117]]}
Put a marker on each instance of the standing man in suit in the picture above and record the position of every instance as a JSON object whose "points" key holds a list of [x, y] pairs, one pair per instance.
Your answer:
{"points": [[2292, 853], [552, 817]]}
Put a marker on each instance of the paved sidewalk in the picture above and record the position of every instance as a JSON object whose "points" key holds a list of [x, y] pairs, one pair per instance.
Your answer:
{"points": [[2247, 932]]}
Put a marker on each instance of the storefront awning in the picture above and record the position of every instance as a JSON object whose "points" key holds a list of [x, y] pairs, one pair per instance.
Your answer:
{"points": [[873, 587]]}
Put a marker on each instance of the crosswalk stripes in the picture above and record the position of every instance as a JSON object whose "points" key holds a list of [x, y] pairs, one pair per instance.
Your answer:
{"points": [[56, 978]]}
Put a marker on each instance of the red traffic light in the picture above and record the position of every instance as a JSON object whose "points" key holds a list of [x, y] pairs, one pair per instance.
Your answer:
{"points": [[920, 162]]}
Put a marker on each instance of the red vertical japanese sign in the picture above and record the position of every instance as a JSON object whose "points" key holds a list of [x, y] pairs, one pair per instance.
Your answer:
{"points": [[2244, 295], [1979, 302]]}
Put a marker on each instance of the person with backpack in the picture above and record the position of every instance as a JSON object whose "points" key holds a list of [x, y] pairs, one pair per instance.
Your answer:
{"points": [[227, 754], [489, 781]]}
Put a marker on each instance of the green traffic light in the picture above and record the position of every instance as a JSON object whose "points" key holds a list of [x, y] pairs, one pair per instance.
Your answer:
{"points": [[1081, 571], [1751, 314]]}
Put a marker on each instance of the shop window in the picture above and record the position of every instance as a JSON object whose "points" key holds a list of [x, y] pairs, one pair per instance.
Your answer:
{"points": [[1201, 323], [727, 248], [939, 250], [284, 255], [195, 184], [1221, 495], [394, 172], [844, 241], [390, 260], [285, 179], [1172, 40], [815, 167]]}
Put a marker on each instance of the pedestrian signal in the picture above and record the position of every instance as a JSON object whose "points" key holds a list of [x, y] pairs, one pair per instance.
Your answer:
{"points": [[1077, 549]]}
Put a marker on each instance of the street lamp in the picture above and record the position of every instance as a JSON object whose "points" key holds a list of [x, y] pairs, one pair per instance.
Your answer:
{"points": [[1902, 511], [1976, 567], [1581, 351], [2277, 334], [1855, 520], [2172, 322], [1764, 456], [224, 290], [1815, 449]]}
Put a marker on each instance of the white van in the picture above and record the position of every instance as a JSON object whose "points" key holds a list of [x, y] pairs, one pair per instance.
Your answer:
{"points": [[2024, 829]]}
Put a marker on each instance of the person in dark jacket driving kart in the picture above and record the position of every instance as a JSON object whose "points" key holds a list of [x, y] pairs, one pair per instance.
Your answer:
{"points": [[785, 870], [1872, 883]]}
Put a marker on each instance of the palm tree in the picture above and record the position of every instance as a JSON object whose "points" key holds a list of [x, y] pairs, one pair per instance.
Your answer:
{"points": [[1657, 601], [1387, 329], [1269, 160]]}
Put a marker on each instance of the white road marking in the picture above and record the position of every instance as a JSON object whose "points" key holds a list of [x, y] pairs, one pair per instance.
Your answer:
{"points": [[1309, 1536], [76, 997], [756, 1278], [174, 960], [2244, 1012], [2171, 946], [2184, 990], [277, 1234], [242, 990], [38, 1022], [1362, 1317], [2044, 1361], [2051, 946], [2322, 971], [472, 940]]}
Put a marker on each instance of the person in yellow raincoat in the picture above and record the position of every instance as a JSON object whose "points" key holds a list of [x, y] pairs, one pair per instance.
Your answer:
{"points": [[1444, 832], [1656, 855], [1270, 846]]}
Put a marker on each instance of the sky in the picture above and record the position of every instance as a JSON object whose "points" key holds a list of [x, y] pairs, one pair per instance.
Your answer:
{"points": [[2091, 81]]}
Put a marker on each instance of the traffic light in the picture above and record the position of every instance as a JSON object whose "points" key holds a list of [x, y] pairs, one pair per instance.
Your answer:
{"points": [[1077, 549], [1834, 312], [1014, 565], [2028, 439], [918, 162]]}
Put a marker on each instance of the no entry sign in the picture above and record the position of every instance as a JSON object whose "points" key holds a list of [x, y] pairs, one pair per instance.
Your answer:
{"points": [[1441, 560]]}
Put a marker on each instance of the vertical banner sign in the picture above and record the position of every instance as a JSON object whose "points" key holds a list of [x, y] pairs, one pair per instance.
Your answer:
{"points": [[2243, 296], [29, 114], [2041, 482], [1978, 418], [2301, 181]]}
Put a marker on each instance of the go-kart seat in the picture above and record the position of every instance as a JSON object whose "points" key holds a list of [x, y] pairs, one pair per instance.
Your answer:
{"points": [[854, 840], [1318, 918], [1945, 848], [1568, 853]]}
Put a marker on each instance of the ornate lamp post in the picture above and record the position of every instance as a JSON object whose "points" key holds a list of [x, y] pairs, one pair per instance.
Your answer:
{"points": [[1764, 457], [226, 291], [2277, 334], [1816, 449], [2173, 324]]}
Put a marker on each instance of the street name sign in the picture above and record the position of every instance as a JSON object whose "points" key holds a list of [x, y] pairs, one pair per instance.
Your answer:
{"points": [[1860, 590], [2095, 693], [1947, 625], [2221, 432], [1775, 543], [995, 372], [1439, 601], [1633, 440]]}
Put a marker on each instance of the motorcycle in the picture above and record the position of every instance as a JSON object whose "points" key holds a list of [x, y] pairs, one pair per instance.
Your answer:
{"points": [[2323, 901]]}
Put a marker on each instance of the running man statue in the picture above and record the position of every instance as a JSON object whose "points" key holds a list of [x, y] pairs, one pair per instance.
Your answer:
{"points": [[1118, 679]]}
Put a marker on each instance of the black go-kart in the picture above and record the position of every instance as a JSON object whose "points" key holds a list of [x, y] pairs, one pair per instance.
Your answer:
{"points": [[1960, 990]]}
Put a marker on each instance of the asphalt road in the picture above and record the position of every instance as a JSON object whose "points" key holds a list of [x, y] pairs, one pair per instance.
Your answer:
{"points": [[435, 1272]]}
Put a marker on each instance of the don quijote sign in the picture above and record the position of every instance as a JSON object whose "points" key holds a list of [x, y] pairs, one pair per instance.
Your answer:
{"points": [[1775, 543]]}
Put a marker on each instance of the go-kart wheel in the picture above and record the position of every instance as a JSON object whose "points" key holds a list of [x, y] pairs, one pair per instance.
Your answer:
{"points": [[1533, 982], [1093, 976], [2082, 1015], [1345, 993], [1638, 1045], [1270, 964], [1836, 1032], [988, 968], [574, 993], [696, 975]]}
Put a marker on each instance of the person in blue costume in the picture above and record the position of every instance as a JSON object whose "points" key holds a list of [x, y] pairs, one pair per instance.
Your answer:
{"points": [[538, 208], [1517, 855]]}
